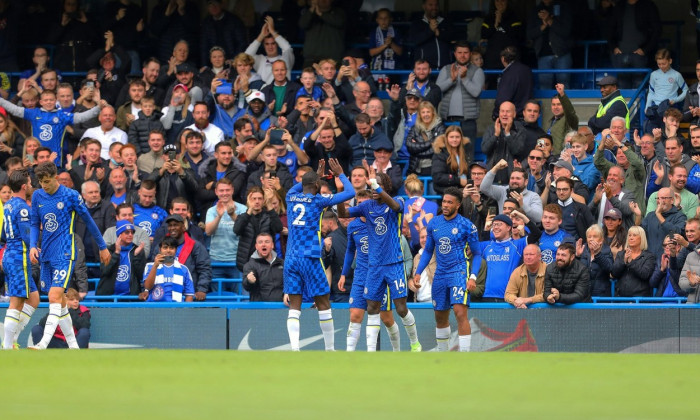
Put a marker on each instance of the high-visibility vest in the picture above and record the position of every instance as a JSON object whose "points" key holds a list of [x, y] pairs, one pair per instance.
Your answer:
{"points": [[603, 109]]}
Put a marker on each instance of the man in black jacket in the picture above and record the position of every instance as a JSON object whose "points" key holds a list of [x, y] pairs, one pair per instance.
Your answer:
{"points": [[274, 168], [253, 222], [263, 274], [516, 82], [335, 243], [567, 281], [102, 212], [222, 163], [431, 36]]}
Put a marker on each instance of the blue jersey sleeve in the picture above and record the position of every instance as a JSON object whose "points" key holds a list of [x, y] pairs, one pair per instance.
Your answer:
{"points": [[475, 247], [296, 189], [146, 272], [349, 255], [79, 207], [358, 210], [187, 284], [427, 251], [25, 224], [34, 224]]}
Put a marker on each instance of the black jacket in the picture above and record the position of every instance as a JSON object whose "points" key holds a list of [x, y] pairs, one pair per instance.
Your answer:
{"points": [[227, 32], [426, 46], [443, 177], [140, 129], [419, 144], [342, 151], [286, 179], [110, 272], [186, 185], [503, 147], [572, 282], [647, 21], [598, 270], [104, 216], [691, 99], [618, 109], [207, 174], [248, 227], [515, 86], [583, 217], [335, 258], [269, 284], [289, 94], [633, 278]]}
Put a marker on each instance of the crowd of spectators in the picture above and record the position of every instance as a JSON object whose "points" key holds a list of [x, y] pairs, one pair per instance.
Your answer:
{"points": [[184, 156]]}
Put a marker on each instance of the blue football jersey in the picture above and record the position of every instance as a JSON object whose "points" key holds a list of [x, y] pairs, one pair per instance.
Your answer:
{"points": [[383, 229], [449, 240], [304, 213], [16, 227], [358, 246], [149, 218], [56, 214], [550, 242], [49, 128]]}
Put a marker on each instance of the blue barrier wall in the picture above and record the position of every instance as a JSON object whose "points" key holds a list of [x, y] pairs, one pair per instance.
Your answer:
{"points": [[584, 328]]}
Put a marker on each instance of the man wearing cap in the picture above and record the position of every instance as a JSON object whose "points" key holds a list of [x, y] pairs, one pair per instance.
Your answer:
{"points": [[125, 212], [403, 112], [611, 105], [517, 188], [222, 107], [123, 274], [461, 83], [503, 254], [186, 76], [258, 111], [212, 134], [382, 163], [611, 195], [564, 169], [191, 254]]}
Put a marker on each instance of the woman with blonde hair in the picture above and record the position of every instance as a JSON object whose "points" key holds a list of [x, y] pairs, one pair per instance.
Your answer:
{"points": [[11, 139], [634, 265], [450, 164], [420, 211], [419, 142], [596, 255], [30, 145]]}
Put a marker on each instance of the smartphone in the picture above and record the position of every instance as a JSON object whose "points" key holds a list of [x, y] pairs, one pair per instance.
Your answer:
{"points": [[418, 204], [540, 143], [273, 174], [90, 84], [276, 137], [226, 87], [470, 183], [30, 158], [345, 62], [168, 259], [493, 210], [172, 154]]}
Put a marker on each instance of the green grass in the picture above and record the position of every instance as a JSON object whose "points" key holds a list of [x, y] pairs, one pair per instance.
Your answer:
{"points": [[135, 384]]}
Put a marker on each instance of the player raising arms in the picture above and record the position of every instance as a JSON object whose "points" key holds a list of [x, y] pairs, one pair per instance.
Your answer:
{"points": [[24, 297], [358, 248], [303, 268], [53, 210], [452, 233], [384, 217]]}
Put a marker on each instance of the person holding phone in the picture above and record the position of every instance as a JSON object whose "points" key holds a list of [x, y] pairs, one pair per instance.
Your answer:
{"points": [[166, 279]]}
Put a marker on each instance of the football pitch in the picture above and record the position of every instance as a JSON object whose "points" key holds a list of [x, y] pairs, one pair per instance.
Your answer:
{"points": [[184, 384]]}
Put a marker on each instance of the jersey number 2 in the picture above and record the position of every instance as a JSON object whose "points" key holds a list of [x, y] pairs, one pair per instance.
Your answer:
{"points": [[302, 210]]}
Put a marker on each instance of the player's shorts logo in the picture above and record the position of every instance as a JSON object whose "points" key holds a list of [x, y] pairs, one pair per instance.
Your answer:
{"points": [[50, 222], [146, 226], [59, 205], [123, 273], [434, 303], [445, 246], [350, 301], [380, 228], [366, 291]]}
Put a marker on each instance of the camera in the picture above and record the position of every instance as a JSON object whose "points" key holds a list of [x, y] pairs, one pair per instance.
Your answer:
{"points": [[171, 151]]}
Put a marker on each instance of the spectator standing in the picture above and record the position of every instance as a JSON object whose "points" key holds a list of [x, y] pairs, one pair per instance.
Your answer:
{"points": [[504, 140], [450, 164], [550, 28], [611, 105], [166, 279], [126, 21], [596, 255], [419, 143], [515, 84], [262, 274], [431, 36], [335, 244], [220, 220], [324, 28], [517, 189], [152, 158], [461, 83], [634, 266], [501, 28], [173, 21], [564, 118], [125, 212], [272, 43], [384, 43], [173, 179], [221, 28], [74, 35], [666, 219], [106, 133], [666, 275], [151, 69], [250, 224]]}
